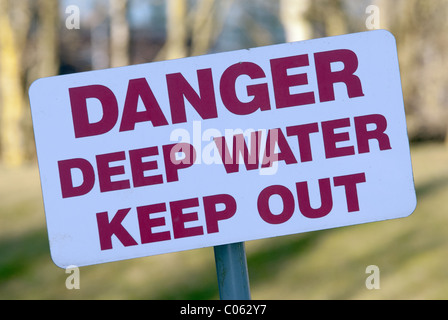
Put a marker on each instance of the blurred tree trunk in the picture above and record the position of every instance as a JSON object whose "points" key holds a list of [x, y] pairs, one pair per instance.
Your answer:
{"points": [[99, 38], [336, 18], [25, 55], [119, 33], [47, 39], [177, 28], [202, 27], [45, 59], [293, 16], [12, 99], [206, 22], [421, 31], [191, 32]]}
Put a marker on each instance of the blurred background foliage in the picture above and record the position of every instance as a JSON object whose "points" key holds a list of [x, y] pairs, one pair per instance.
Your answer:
{"points": [[40, 38]]}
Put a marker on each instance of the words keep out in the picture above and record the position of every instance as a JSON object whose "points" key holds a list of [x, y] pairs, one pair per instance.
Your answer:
{"points": [[184, 214]]}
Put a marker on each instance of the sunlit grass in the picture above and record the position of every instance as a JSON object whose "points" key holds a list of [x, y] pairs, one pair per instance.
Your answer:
{"points": [[410, 252]]}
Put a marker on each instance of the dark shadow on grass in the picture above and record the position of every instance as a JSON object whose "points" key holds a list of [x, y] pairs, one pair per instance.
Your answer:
{"points": [[431, 186], [262, 264], [17, 254], [205, 289]]}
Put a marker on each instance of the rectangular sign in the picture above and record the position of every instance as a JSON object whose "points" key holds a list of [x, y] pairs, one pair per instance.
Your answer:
{"points": [[222, 148]]}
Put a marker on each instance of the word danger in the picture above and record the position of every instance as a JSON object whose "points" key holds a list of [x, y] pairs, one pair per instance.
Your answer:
{"points": [[204, 101]]}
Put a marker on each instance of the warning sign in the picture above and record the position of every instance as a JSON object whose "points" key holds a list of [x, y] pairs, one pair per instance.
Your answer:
{"points": [[222, 148]]}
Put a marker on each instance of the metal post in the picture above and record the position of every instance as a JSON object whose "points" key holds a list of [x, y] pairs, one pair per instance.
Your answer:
{"points": [[231, 269]]}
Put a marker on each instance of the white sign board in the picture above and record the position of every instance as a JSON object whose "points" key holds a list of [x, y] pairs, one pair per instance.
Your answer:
{"points": [[222, 148]]}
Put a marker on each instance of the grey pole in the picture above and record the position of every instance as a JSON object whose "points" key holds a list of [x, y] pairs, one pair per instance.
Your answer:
{"points": [[231, 269]]}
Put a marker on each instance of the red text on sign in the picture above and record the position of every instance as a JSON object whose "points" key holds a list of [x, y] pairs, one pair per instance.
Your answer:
{"points": [[204, 100], [182, 212], [111, 175]]}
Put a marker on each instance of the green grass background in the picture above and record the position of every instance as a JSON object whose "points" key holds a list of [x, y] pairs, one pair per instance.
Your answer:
{"points": [[411, 253]]}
